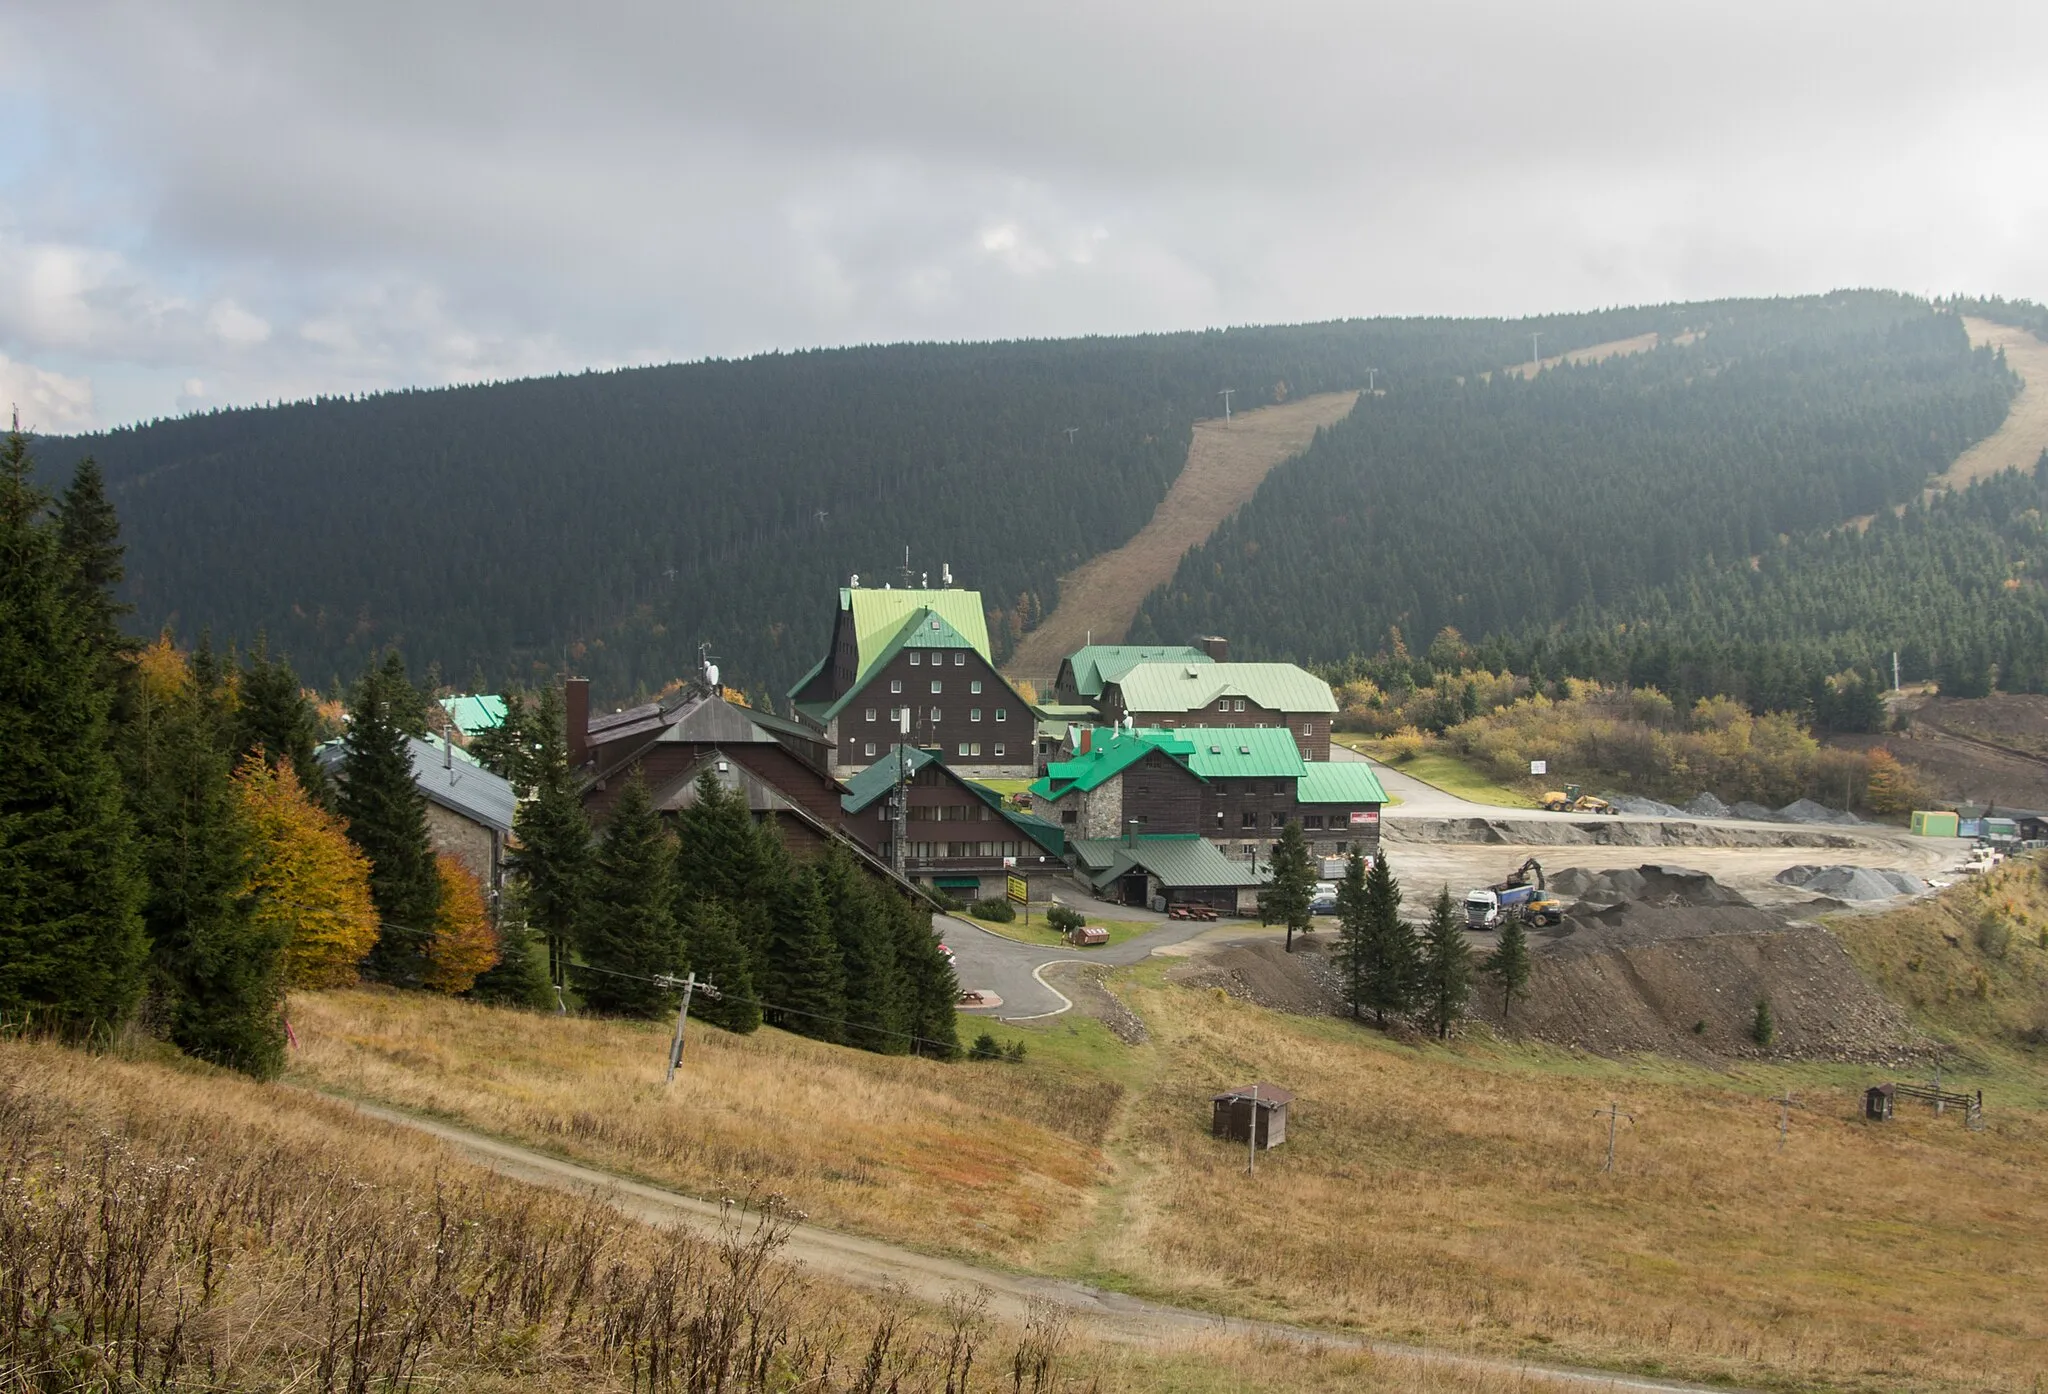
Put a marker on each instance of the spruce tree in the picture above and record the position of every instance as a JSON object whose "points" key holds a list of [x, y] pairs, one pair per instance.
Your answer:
{"points": [[216, 969], [629, 938], [727, 856], [801, 979], [1508, 964], [1293, 890], [506, 750], [1391, 959], [1354, 933], [878, 1005], [72, 948], [552, 860], [386, 815], [718, 960], [89, 535], [520, 976], [1446, 966], [272, 714], [931, 991]]}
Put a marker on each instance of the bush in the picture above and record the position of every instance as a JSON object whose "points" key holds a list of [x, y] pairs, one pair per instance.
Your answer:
{"points": [[985, 1048], [1993, 937], [1763, 1028], [996, 909], [1065, 919], [1015, 1054]]}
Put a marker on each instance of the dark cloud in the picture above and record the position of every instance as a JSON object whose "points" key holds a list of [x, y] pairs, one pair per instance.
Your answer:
{"points": [[228, 202]]}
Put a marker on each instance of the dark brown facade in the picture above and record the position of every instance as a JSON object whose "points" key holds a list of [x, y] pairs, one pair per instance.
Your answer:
{"points": [[1242, 816], [1311, 730], [974, 719]]}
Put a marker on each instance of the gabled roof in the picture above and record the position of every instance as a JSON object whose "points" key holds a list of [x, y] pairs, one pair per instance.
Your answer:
{"points": [[459, 785], [1097, 664], [880, 617], [1259, 752], [1186, 687], [474, 714], [680, 791], [1179, 860], [1110, 754], [1043, 831], [872, 784], [925, 628], [693, 715], [1331, 782]]}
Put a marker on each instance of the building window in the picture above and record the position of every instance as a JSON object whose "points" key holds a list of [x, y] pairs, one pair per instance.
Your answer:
{"points": [[976, 750], [1279, 791], [1279, 820], [1240, 704], [1250, 849], [963, 747], [1069, 817], [871, 713], [936, 686], [895, 684], [1224, 705], [868, 749], [1308, 728], [959, 658], [975, 687], [974, 713], [999, 747], [1219, 817], [1250, 820], [935, 716], [1343, 847], [1002, 714], [915, 658]]}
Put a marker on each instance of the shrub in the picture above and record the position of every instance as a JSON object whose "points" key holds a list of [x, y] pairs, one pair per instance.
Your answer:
{"points": [[985, 1047], [1763, 1028], [1993, 937], [995, 908], [1015, 1054], [1065, 919]]}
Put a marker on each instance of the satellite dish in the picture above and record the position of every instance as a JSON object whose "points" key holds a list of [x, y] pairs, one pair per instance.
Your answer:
{"points": [[711, 674], [856, 580]]}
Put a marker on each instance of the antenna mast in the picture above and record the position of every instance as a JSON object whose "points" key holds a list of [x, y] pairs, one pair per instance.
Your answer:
{"points": [[1225, 395]]}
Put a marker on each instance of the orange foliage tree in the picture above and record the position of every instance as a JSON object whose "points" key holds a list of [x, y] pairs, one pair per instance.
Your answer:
{"points": [[309, 882], [463, 945], [1893, 789]]}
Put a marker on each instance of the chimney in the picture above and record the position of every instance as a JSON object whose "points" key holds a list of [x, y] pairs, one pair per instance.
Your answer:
{"points": [[1217, 647], [576, 711]]}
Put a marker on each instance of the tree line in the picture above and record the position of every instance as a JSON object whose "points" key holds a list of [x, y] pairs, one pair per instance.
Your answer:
{"points": [[175, 857]]}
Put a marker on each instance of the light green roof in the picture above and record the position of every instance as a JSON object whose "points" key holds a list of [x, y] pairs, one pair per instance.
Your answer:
{"points": [[1178, 860], [1349, 782], [474, 714], [1229, 752], [1186, 687], [925, 629], [1096, 664], [880, 617]]}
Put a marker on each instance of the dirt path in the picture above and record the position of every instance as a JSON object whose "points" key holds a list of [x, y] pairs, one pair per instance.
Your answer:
{"points": [[1226, 465], [1097, 1312]]}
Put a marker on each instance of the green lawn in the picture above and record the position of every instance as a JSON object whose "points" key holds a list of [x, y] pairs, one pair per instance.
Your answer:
{"points": [[1005, 787], [1038, 933], [1447, 772]]}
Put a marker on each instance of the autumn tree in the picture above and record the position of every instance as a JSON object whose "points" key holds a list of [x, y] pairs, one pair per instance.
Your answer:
{"points": [[311, 885], [1892, 789], [72, 949], [464, 944]]}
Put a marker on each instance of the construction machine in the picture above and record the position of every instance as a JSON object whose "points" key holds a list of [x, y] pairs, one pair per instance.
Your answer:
{"points": [[1570, 800], [1519, 897]]}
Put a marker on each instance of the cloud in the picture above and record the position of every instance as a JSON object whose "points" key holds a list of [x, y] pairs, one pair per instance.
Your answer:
{"points": [[279, 199], [47, 402]]}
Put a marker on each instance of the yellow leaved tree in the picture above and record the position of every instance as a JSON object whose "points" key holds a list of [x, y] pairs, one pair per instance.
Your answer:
{"points": [[1893, 787], [464, 945], [309, 881]]}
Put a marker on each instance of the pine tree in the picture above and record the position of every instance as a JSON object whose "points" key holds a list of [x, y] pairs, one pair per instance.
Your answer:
{"points": [[216, 966], [89, 535], [1391, 958], [801, 978], [1354, 933], [1508, 964], [1446, 966], [629, 936], [520, 976], [719, 961], [386, 815], [552, 860], [1287, 900], [727, 856], [72, 948], [506, 750], [273, 715], [877, 1001], [930, 990]]}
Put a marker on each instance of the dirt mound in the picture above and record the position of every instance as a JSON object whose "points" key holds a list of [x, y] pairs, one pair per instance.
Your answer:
{"points": [[1609, 832], [1807, 811], [1659, 884], [1753, 812], [1685, 981], [1851, 882], [1262, 972], [1705, 805]]}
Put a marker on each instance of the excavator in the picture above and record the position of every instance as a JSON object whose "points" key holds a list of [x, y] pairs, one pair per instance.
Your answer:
{"points": [[1570, 800], [1515, 898]]}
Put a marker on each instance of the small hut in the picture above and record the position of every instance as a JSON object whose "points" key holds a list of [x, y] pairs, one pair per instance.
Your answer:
{"points": [[1877, 1103], [1236, 1112]]}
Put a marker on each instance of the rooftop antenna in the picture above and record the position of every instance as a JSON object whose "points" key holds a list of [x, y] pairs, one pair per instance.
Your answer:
{"points": [[821, 515], [1225, 395], [707, 666], [946, 574], [907, 572], [1071, 432]]}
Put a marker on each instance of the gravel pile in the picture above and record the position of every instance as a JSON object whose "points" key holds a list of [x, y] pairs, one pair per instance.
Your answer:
{"points": [[1652, 883], [1706, 806], [1807, 811], [1754, 812], [1851, 882], [1632, 803]]}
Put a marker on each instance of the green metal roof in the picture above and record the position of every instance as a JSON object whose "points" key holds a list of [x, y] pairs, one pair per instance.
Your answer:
{"points": [[879, 778], [1186, 687], [924, 629], [879, 617], [474, 714], [1260, 752], [1110, 754], [1096, 664], [1330, 782], [1179, 860], [1043, 831]]}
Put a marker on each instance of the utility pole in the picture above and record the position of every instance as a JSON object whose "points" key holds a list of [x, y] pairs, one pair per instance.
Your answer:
{"points": [[897, 852], [1372, 379], [675, 1049], [1786, 1103], [1895, 671], [1535, 358], [1251, 1163], [1072, 431], [1614, 1117], [1225, 395]]}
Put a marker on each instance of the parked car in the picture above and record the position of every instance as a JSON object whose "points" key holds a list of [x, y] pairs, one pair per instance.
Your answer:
{"points": [[1324, 901]]}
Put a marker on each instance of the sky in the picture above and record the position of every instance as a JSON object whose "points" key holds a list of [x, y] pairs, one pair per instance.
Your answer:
{"points": [[217, 203]]}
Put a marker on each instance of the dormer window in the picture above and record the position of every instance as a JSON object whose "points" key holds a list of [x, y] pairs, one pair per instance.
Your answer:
{"points": [[959, 658], [915, 658], [895, 684]]}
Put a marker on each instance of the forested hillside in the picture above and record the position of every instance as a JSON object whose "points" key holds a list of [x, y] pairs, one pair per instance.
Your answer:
{"points": [[615, 520], [1629, 515]]}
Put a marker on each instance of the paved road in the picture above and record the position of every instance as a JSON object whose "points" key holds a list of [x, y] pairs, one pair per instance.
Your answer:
{"points": [[1105, 1315], [989, 961]]}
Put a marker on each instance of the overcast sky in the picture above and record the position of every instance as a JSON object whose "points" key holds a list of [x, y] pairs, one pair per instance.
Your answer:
{"points": [[218, 203]]}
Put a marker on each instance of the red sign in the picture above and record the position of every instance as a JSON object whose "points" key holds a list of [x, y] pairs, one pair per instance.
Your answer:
{"points": [[1369, 815]]}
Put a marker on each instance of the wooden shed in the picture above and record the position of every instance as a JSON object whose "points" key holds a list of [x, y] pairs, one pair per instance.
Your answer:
{"points": [[1236, 1112], [1877, 1102]]}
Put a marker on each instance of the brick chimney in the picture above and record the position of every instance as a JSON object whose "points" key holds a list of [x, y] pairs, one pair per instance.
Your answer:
{"points": [[1217, 647], [576, 711]]}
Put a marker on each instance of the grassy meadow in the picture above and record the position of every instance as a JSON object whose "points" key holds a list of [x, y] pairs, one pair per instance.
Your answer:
{"points": [[1449, 1195]]}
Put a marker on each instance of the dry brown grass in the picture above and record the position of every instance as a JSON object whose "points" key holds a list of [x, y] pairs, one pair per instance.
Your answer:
{"points": [[974, 1161], [2020, 439], [1462, 1201], [172, 1229], [1226, 465]]}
